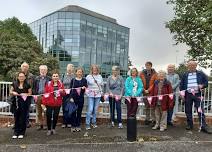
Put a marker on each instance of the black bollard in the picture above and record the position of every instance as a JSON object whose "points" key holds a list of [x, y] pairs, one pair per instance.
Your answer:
{"points": [[131, 129]]}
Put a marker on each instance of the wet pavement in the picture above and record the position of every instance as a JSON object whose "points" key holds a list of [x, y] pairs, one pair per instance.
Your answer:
{"points": [[105, 139]]}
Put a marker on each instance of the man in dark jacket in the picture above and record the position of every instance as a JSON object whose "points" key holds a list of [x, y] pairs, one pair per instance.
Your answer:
{"points": [[194, 82], [39, 84]]}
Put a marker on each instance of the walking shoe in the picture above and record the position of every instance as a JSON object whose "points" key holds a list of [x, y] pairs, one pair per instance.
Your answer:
{"points": [[94, 126], [155, 127], [53, 131], [112, 124], [162, 129], [69, 125], [73, 129], [63, 125], [88, 127], [205, 130], [78, 129], [189, 128], [14, 137], [120, 126], [20, 136], [48, 133]]}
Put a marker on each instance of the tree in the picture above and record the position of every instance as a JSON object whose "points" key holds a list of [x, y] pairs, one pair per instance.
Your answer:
{"points": [[181, 69], [18, 45], [192, 25]]}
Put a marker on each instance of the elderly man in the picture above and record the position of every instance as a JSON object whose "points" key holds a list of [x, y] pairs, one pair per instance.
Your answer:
{"points": [[194, 82], [40, 82], [174, 79]]}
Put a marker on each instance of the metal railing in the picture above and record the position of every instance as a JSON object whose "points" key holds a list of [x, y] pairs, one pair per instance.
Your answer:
{"points": [[104, 107]]}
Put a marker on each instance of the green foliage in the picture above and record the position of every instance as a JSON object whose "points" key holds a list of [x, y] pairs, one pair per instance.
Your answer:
{"points": [[181, 69], [18, 45], [192, 25]]}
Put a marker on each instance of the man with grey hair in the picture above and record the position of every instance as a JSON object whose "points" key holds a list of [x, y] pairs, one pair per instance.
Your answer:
{"points": [[174, 79], [40, 82], [193, 82]]}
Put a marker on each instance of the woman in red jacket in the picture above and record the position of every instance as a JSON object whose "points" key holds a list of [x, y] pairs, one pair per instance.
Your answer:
{"points": [[52, 99], [161, 102]]}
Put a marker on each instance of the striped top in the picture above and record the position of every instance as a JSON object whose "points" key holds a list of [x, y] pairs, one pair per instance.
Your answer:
{"points": [[192, 82]]}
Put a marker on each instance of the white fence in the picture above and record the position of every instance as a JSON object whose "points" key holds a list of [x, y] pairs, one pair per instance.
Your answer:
{"points": [[104, 107]]}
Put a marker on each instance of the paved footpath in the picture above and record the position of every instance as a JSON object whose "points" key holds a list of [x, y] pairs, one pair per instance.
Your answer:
{"points": [[106, 139]]}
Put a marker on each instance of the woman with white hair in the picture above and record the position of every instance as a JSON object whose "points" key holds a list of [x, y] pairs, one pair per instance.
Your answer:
{"points": [[115, 88], [161, 100]]}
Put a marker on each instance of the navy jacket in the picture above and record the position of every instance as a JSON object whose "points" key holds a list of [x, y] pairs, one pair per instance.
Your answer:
{"points": [[202, 79], [36, 83]]}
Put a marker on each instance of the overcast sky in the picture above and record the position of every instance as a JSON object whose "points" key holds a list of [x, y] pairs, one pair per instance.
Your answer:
{"points": [[149, 39]]}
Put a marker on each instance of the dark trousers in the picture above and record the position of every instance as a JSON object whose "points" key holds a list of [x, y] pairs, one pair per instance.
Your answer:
{"points": [[66, 118], [115, 104], [52, 116], [20, 115], [132, 107], [77, 115], [170, 113], [189, 99]]}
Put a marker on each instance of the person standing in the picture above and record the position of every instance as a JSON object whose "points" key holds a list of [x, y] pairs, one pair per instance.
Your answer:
{"points": [[133, 89], [174, 79], [115, 88], [193, 82], [80, 83], [148, 76], [95, 83], [30, 80], [66, 81], [22, 90], [161, 87], [52, 99], [39, 85]]}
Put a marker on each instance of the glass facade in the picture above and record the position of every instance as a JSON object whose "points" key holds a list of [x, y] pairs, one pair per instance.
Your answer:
{"points": [[82, 39]]}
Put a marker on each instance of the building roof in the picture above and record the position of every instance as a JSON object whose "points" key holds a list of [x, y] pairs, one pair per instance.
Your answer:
{"points": [[75, 8]]}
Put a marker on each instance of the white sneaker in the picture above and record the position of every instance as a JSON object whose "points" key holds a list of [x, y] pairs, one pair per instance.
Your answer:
{"points": [[20, 136], [69, 125], [112, 124], [120, 126], [88, 128], [155, 127], [14, 137], [78, 129], [94, 125]]}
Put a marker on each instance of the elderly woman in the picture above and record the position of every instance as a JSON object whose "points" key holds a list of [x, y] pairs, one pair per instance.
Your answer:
{"points": [[133, 89], [115, 88], [174, 79], [162, 87], [21, 89], [94, 92], [66, 79], [52, 99]]}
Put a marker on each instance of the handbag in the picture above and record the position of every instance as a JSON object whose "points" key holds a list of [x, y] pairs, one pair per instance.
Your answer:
{"points": [[102, 96], [70, 106]]}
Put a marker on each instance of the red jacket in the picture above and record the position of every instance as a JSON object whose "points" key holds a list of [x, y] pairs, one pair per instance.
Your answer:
{"points": [[51, 99], [166, 102]]}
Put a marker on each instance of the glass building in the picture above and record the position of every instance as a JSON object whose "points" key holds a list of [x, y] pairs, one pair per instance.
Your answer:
{"points": [[83, 37]]}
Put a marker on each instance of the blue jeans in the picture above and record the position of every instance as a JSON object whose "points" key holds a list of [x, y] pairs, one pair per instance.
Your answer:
{"points": [[113, 104], [93, 104]]}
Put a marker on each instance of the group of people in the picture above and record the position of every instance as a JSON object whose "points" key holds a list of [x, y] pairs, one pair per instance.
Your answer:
{"points": [[52, 94]]}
